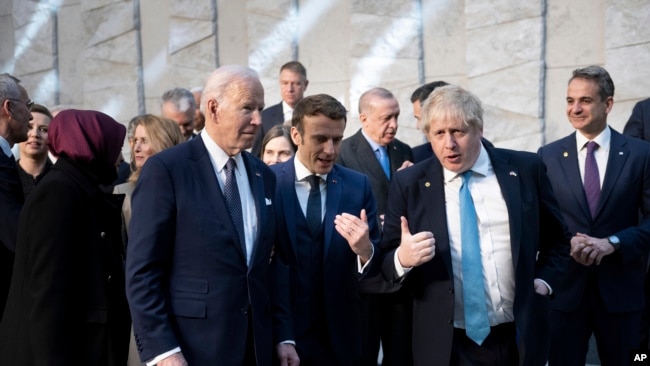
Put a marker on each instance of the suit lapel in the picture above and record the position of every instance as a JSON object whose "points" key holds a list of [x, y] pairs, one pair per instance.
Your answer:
{"points": [[568, 161], [257, 189], [367, 157], [431, 184], [510, 184], [287, 187], [204, 172], [618, 154], [334, 189]]}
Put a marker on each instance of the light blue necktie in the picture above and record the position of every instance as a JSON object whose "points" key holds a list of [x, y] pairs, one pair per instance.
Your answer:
{"points": [[383, 160], [477, 325]]}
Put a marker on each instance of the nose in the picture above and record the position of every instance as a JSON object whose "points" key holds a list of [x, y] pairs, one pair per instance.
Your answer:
{"points": [[329, 147], [450, 141], [575, 107], [257, 118]]}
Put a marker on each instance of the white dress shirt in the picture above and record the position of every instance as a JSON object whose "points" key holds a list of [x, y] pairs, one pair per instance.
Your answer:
{"points": [[601, 154], [287, 112]]}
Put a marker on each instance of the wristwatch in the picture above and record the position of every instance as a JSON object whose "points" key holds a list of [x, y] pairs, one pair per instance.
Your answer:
{"points": [[614, 241]]}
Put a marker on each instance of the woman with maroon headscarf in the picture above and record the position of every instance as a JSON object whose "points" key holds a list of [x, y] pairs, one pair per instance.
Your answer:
{"points": [[66, 304]]}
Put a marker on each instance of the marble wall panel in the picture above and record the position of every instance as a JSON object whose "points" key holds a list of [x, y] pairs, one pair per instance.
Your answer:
{"points": [[626, 22], [444, 39], [481, 13]]}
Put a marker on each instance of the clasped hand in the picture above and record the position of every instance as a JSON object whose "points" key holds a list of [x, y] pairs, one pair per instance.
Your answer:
{"points": [[587, 250]]}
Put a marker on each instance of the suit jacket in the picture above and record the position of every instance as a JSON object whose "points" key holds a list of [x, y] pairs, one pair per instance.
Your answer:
{"points": [[639, 123], [11, 202], [271, 116], [189, 285], [347, 191], [66, 305], [536, 226], [422, 152], [357, 154], [625, 193]]}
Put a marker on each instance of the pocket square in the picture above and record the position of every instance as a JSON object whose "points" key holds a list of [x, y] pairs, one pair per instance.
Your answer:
{"points": [[268, 201]]}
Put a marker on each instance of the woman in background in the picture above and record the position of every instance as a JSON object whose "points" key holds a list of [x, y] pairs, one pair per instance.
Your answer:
{"points": [[277, 146], [67, 305], [33, 162], [148, 135]]}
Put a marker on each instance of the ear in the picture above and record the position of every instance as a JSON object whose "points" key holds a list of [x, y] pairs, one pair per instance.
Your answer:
{"points": [[363, 118], [306, 84], [609, 103], [212, 108], [6, 111], [295, 136]]}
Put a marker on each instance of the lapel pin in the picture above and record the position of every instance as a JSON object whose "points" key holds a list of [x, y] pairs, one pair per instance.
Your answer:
{"points": [[427, 184], [620, 153], [565, 154], [513, 174], [258, 174], [334, 181]]}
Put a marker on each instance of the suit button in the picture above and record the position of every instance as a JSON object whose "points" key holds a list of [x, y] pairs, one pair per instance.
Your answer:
{"points": [[102, 234], [450, 320], [244, 310], [108, 279]]}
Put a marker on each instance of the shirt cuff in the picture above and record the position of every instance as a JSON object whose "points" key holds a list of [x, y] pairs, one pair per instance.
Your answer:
{"points": [[401, 271], [362, 268], [550, 289], [163, 356], [288, 341]]}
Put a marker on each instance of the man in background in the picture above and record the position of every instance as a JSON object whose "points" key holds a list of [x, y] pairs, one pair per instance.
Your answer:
{"points": [[178, 104], [14, 124], [293, 83]]}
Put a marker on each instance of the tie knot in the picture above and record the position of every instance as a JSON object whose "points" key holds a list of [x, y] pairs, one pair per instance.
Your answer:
{"points": [[314, 182], [465, 175], [231, 164], [591, 146]]}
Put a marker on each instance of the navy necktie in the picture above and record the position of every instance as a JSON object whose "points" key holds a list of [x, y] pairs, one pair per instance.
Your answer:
{"points": [[592, 178], [477, 325], [314, 209], [231, 193]]}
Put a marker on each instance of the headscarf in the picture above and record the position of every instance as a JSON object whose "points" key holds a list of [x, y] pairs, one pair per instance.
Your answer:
{"points": [[89, 138]]}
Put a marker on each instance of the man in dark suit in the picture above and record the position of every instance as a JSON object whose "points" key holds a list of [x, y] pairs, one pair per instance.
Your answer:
{"points": [[488, 244], [602, 291], [639, 123], [293, 83], [325, 257], [389, 313], [14, 124], [178, 104], [423, 151], [202, 232]]}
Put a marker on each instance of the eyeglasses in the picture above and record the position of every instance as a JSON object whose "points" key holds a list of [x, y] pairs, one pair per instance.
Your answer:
{"points": [[29, 103]]}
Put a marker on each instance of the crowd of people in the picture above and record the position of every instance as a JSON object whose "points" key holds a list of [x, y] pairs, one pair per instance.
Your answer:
{"points": [[244, 235]]}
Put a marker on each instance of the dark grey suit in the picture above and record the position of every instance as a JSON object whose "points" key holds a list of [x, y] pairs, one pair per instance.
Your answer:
{"points": [[271, 116]]}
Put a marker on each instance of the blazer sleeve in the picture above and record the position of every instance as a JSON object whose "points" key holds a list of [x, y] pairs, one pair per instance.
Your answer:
{"points": [[635, 126], [553, 257], [149, 257]]}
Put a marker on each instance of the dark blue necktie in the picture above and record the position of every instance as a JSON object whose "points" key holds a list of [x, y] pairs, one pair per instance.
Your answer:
{"points": [[477, 325], [592, 178], [314, 209], [231, 193]]}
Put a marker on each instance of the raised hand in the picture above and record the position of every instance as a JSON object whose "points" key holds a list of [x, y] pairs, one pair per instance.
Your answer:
{"points": [[415, 249]]}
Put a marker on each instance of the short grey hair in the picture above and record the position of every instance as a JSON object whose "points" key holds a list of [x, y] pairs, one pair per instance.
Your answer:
{"points": [[9, 87], [222, 79], [181, 98], [600, 76]]}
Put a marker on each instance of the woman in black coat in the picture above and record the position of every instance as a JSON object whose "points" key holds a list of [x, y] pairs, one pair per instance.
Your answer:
{"points": [[66, 303]]}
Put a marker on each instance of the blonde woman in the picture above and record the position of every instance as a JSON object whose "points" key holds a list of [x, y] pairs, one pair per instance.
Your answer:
{"points": [[148, 135]]}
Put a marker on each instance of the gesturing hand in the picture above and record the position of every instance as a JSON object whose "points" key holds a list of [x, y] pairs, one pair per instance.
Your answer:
{"points": [[355, 230], [415, 249]]}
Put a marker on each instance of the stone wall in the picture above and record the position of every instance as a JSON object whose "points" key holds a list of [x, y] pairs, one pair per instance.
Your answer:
{"points": [[119, 56]]}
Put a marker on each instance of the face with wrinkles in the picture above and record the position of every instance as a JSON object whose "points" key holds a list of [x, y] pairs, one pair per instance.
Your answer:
{"points": [[379, 119], [455, 143], [233, 122]]}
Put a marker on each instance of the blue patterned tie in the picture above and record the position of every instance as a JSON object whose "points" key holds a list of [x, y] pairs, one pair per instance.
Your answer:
{"points": [[314, 209], [592, 178], [383, 160], [477, 325], [231, 193]]}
